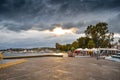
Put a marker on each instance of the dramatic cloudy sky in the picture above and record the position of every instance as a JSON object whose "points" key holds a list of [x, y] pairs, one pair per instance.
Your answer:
{"points": [[39, 23]]}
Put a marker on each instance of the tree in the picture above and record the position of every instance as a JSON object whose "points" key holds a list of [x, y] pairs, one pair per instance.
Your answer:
{"points": [[68, 46], [98, 33], [65, 47], [72, 48], [75, 44], [83, 41], [57, 46], [96, 36], [110, 39], [119, 40], [91, 44]]}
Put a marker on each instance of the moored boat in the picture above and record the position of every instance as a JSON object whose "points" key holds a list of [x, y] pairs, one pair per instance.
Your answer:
{"points": [[116, 56]]}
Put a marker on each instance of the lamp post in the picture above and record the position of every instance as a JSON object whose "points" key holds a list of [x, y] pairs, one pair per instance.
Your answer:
{"points": [[97, 51]]}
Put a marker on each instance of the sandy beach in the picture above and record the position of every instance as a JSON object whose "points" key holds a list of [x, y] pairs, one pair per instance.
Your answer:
{"points": [[61, 68]]}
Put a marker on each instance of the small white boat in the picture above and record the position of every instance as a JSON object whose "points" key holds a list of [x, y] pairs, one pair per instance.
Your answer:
{"points": [[116, 56]]}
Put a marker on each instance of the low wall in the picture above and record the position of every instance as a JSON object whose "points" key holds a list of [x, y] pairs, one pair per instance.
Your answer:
{"points": [[18, 57]]}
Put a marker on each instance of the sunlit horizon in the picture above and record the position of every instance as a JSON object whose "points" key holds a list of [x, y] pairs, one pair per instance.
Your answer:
{"points": [[43, 23]]}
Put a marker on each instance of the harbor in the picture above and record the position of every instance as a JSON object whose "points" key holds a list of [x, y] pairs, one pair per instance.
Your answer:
{"points": [[59, 40]]}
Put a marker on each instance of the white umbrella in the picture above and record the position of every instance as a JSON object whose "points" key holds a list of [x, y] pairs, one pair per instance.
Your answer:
{"points": [[94, 49], [86, 49], [79, 49]]}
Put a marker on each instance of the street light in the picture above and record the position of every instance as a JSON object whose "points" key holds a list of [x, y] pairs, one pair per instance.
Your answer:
{"points": [[97, 50]]}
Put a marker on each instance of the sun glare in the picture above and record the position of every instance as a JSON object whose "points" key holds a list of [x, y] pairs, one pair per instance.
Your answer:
{"points": [[58, 31], [61, 31]]}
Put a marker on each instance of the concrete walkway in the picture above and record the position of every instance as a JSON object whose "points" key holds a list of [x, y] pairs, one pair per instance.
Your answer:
{"points": [[5, 64], [62, 68]]}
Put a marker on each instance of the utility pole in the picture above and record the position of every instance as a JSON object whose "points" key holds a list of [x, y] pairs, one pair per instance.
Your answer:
{"points": [[97, 51]]}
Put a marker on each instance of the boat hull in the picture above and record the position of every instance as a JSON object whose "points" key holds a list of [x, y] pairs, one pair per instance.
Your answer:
{"points": [[115, 56]]}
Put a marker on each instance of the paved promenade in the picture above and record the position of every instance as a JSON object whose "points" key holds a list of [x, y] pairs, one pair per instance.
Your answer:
{"points": [[62, 68]]}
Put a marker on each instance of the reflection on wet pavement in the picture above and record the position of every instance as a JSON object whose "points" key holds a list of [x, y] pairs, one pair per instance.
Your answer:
{"points": [[60, 68]]}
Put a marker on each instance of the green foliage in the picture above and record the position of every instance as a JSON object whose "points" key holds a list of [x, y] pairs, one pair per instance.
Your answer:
{"points": [[96, 36], [75, 44], [119, 40], [67, 47], [72, 48], [99, 33], [83, 41], [91, 44]]}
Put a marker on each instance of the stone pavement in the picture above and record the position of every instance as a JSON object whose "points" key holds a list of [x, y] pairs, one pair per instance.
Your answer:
{"points": [[62, 68], [7, 63]]}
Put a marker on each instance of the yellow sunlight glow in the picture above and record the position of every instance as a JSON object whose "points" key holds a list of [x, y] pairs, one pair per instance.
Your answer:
{"points": [[60, 31]]}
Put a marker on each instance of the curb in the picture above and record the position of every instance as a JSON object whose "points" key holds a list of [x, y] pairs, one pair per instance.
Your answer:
{"points": [[12, 63]]}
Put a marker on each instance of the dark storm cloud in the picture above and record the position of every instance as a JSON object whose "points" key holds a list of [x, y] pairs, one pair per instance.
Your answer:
{"points": [[20, 20], [14, 26], [115, 24], [43, 14], [40, 5]]}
